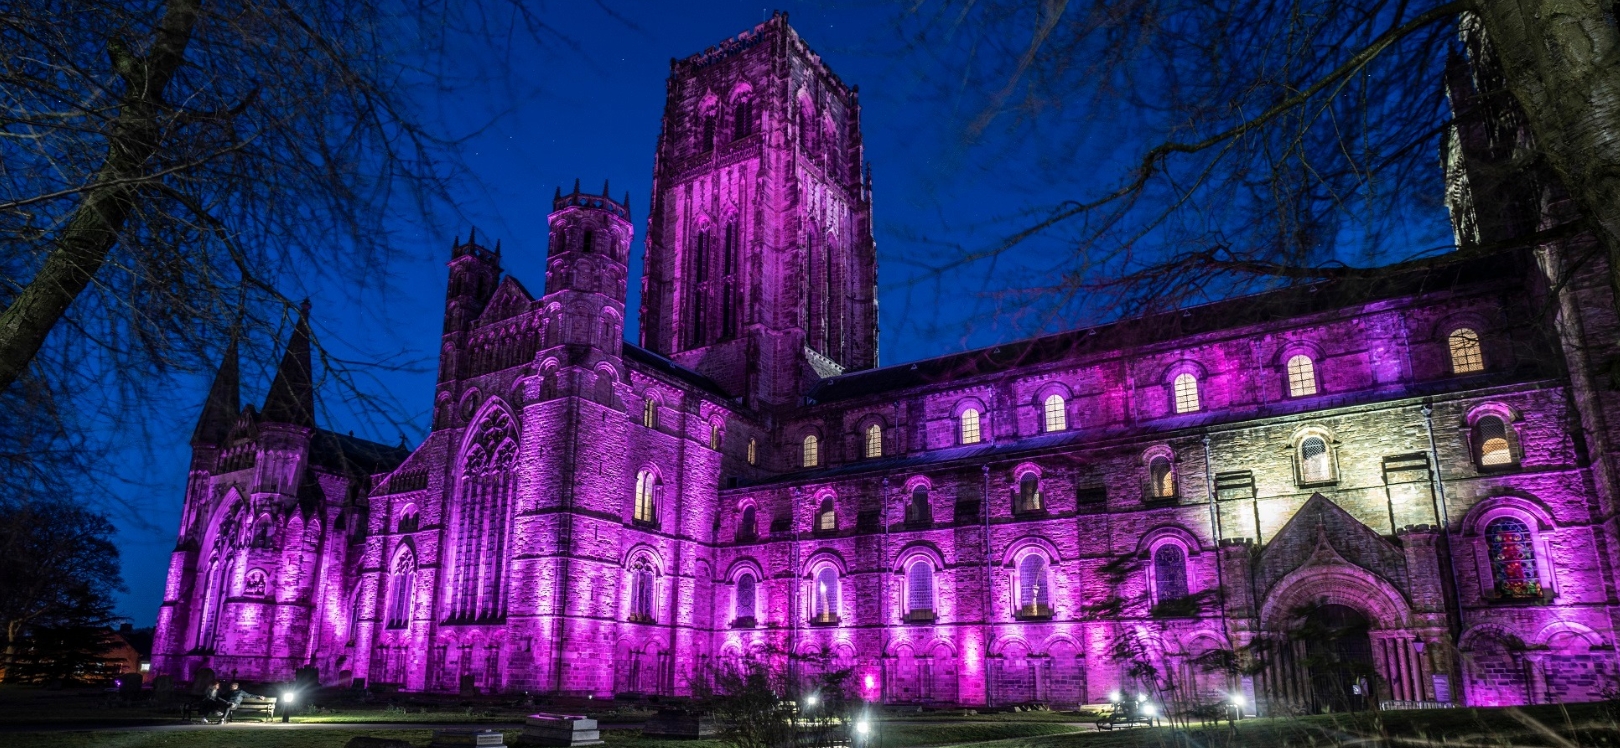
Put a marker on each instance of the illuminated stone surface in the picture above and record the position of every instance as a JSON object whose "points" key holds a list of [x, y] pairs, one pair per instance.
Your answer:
{"points": [[503, 553]]}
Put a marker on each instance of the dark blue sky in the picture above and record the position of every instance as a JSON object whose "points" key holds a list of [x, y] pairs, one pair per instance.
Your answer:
{"points": [[588, 107]]}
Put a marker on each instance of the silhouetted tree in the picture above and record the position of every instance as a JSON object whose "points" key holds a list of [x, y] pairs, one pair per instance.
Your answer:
{"points": [[58, 571]]}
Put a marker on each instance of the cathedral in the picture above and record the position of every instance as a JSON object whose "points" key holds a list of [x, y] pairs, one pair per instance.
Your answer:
{"points": [[1390, 492]]}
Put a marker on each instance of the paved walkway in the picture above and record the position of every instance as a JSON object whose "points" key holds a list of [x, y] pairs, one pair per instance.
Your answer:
{"points": [[184, 727]]}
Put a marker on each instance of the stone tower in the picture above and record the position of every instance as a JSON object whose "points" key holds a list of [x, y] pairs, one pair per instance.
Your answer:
{"points": [[761, 269]]}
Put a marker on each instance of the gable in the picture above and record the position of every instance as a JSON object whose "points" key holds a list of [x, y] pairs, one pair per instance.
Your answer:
{"points": [[510, 300], [1322, 521]]}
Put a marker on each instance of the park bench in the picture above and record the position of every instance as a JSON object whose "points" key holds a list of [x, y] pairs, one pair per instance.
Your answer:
{"points": [[1125, 714], [263, 707]]}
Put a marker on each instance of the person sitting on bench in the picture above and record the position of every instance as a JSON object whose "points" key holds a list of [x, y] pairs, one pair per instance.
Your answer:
{"points": [[235, 696], [214, 703]]}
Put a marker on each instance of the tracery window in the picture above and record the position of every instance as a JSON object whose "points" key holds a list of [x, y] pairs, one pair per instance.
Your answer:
{"points": [[969, 426], [649, 413], [1513, 558], [824, 597], [812, 451], [1491, 439], [1466, 355], [1315, 460], [480, 553], [1161, 478], [1055, 417], [826, 516], [649, 492], [748, 526], [744, 604], [1186, 387], [1034, 587], [920, 591], [874, 441], [1301, 376], [401, 589], [918, 510], [1169, 573], [642, 592], [1029, 493], [708, 133], [742, 113]]}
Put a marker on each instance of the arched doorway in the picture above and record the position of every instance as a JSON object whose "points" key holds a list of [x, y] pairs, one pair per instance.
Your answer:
{"points": [[1338, 658]]}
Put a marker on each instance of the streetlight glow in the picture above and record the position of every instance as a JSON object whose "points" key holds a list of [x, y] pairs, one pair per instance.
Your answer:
{"points": [[1148, 710], [863, 727], [1113, 696]]}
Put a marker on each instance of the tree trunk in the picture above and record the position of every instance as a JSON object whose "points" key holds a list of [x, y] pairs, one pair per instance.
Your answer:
{"points": [[1561, 61], [92, 232]]}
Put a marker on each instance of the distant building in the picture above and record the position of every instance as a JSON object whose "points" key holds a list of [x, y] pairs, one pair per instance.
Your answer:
{"points": [[1381, 490]]}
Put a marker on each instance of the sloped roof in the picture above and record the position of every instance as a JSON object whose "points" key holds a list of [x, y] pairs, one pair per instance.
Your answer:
{"points": [[671, 369]]}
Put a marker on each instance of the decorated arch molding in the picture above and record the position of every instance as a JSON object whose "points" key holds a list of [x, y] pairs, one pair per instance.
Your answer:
{"points": [[1020, 547], [915, 550], [1339, 584], [1152, 539], [824, 557], [1471, 638], [1509, 504]]}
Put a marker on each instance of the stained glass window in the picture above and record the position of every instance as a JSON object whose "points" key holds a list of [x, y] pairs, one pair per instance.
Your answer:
{"points": [[1301, 376], [1186, 393], [1170, 573], [648, 486], [1513, 558], [1465, 352], [920, 588], [1056, 418], [745, 596]]}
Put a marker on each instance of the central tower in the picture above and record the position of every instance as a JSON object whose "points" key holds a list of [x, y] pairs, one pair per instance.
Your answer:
{"points": [[761, 271]]}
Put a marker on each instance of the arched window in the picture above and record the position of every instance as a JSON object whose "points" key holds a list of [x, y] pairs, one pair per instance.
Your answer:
{"points": [[826, 516], [708, 133], [1056, 418], [742, 113], [918, 510], [642, 592], [1169, 573], [753, 451], [969, 422], [748, 526], [1492, 448], [744, 603], [812, 451], [824, 597], [1161, 478], [1301, 376], [714, 436], [410, 520], [649, 490], [1186, 386], [1029, 493], [589, 243], [1466, 356], [920, 591], [480, 552], [1513, 558], [649, 413], [1315, 460], [874, 441], [401, 589], [1034, 588]]}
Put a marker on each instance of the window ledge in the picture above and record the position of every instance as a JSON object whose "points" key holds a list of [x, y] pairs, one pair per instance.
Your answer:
{"points": [[636, 618], [651, 523], [745, 623], [920, 616], [1034, 613], [828, 620], [1520, 602]]}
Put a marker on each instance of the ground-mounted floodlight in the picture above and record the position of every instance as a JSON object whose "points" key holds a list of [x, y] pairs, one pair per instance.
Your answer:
{"points": [[288, 698]]}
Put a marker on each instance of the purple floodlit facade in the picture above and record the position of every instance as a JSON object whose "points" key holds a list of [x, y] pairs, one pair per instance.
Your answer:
{"points": [[1424, 459]]}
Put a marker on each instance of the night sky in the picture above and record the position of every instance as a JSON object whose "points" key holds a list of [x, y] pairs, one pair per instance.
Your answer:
{"points": [[588, 107]]}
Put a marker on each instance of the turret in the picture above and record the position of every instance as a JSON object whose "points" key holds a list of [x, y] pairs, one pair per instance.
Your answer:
{"points": [[475, 271], [292, 392], [587, 263]]}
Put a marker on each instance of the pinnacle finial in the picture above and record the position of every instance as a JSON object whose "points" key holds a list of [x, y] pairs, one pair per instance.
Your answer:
{"points": [[497, 246], [605, 192], [472, 235], [303, 307], [576, 185], [626, 202], [558, 196]]}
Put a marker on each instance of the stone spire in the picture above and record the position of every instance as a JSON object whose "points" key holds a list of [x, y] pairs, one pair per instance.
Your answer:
{"points": [[223, 403], [292, 393]]}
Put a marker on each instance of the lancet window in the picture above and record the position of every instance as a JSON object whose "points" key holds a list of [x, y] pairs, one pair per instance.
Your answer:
{"points": [[1034, 587], [824, 596], [920, 591], [1186, 393], [1301, 376], [643, 589], [874, 441], [1491, 443], [1466, 354], [1169, 573], [1055, 417], [744, 604], [480, 553], [968, 426], [401, 589]]}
